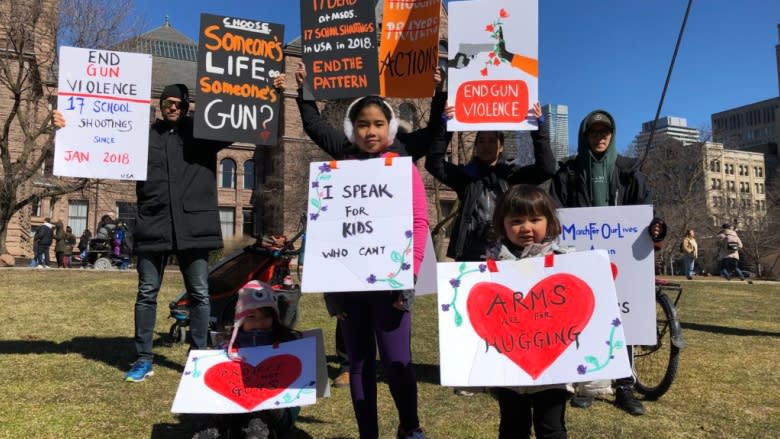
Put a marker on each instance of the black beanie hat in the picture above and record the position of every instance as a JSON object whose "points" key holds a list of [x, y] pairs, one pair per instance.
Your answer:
{"points": [[177, 91]]}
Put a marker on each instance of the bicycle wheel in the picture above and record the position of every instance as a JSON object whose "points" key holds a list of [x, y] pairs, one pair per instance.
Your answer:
{"points": [[656, 365]]}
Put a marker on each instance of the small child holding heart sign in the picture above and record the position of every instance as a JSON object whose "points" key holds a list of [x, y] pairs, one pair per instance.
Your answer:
{"points": [[527, 225], [255, 323]]}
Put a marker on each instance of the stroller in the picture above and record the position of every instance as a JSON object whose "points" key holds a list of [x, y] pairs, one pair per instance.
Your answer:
{"points": [[267, 260]]}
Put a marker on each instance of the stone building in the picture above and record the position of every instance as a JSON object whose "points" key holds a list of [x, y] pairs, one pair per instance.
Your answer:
{"points": [[34, 42], [274, 174], [735, 186]]}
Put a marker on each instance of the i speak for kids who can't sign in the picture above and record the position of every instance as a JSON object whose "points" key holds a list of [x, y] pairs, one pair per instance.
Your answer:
{"points": [[105, 99]]}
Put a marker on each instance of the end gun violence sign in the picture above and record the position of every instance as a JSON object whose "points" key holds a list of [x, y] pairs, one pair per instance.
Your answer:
{"points": [[238, 60], [105, 98], [493, 64], [359, 229]]}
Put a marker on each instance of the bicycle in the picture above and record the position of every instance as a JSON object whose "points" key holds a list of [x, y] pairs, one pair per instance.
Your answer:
{"points": [[656, 365]]}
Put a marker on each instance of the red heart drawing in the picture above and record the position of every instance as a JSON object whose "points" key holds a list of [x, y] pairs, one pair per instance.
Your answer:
{"points": [[614, 270], [534, 328], [265, 134], [249, 386]]}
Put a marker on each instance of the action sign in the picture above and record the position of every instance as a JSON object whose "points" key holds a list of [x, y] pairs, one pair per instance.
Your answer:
{"points": [[339, 48], [409, 49], [493, 69], [534, 321], [622, 232], [238, 60], [268, 377], [359, 232], [105, 98]]}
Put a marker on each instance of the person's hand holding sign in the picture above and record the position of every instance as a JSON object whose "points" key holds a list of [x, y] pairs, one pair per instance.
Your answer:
{"points": [[58, 120]]}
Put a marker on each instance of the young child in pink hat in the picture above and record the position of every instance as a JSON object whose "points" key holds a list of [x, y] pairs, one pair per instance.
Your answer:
{"points": [[255, 323]]}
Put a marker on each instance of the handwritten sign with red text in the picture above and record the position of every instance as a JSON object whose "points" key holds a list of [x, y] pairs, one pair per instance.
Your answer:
{"points": [[493, 68], [238, 60], [409, 48], [105, 98], [535, 321], [339, 48]]}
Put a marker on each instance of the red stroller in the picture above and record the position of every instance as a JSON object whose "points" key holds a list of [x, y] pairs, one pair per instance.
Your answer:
{"points": [[267, 260]]}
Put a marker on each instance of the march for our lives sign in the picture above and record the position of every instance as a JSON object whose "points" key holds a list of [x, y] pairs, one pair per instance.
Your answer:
{"points": [[622, 232], [359, 230], [105, 98]]}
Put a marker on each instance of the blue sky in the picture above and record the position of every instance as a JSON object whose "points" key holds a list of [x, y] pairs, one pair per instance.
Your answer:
{"points": [[610, 54]]}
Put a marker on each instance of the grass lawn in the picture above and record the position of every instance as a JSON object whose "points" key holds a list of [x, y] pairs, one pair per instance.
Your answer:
{"points": [[66, 343]]}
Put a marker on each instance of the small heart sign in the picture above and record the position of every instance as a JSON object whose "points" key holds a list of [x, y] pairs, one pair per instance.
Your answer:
{"points": [[250, 386], [533, 328], [265, 134]]}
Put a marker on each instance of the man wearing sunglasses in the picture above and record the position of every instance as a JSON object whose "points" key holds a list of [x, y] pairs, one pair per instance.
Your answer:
{"points": [[599, 176], [176, 215]]}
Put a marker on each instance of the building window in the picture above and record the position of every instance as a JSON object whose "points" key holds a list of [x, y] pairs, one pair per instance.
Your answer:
{"points": [[715, 166], [249, 174], [36, 207], [77, 215], [227, 221], [227, 174], [126, 212], [407, 113], [247, 221]]}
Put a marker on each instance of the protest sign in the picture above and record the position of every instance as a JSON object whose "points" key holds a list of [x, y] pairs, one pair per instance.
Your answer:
{"points": [[359, 229], [409, 48], [493, 64], [426, 278], [535, 321], [268, 377], [339, 48], [622, 232], [238, 60], [105, 98]]}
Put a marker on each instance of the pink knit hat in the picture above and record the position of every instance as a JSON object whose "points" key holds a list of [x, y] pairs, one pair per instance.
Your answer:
{"points": [[253, 295]]}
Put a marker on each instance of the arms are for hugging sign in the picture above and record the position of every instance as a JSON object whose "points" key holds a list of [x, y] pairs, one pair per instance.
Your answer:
{"points": [[359, 230]]}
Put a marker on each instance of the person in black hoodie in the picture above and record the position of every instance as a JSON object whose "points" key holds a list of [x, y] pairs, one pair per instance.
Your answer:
{"points": [[599, 176], [481, 181]]}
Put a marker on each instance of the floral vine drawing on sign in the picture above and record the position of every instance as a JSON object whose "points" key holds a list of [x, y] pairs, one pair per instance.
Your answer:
{"points": [[455, 284], [324, 175], [398, 258], [613, 345]]}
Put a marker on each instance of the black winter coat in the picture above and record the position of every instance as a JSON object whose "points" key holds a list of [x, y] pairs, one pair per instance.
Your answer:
{"points": [[177, 204], [627, 186], [471, 181]]}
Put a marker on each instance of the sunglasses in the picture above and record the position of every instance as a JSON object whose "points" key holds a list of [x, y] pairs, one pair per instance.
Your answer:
{"points": [[168, 103]]}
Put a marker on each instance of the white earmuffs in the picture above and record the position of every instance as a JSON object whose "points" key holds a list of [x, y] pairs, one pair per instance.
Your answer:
{"points": [[349, 129]]}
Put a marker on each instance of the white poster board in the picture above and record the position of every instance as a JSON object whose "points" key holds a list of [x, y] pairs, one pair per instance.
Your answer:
{"points": [[534, 321], [426, 277], [105, 98], [493, 64], [623, 232], [359, 229], [269, 377]]}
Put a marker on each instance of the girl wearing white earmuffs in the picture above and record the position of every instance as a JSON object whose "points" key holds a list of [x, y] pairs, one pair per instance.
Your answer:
{"points": [[380, 320]]}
